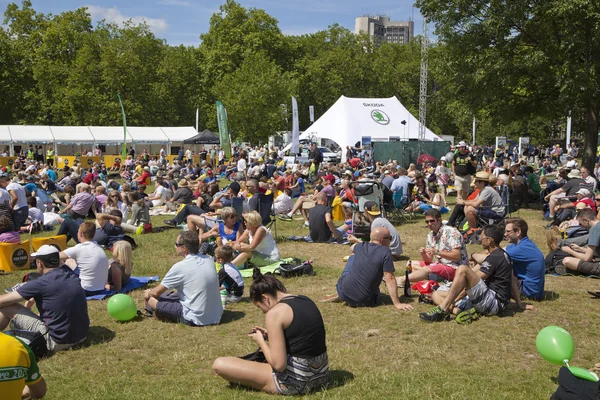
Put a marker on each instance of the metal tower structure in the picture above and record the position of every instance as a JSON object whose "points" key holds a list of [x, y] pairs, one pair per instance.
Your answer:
{"points": [[423, 84]]}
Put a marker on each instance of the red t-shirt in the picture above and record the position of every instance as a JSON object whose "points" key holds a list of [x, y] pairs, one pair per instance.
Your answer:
{"points": [[354, 162], [144, 178], [88, 178]]}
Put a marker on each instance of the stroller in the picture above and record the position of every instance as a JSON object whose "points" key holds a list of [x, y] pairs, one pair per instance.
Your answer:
{"points": [[367, 190]]}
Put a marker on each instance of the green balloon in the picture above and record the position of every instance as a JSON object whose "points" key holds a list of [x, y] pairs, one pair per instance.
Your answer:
{"points": [[555, 345], [121, 307], [583, 374]]}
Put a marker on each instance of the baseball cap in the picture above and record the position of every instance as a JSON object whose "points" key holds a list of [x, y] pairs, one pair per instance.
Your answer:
{"points": [[234, 187], [462, 144], [49, 254], [584, 192], [372, 208]]}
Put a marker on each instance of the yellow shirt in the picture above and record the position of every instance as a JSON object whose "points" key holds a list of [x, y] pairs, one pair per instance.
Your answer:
{"points": [[17, 367], [337, 214], [139, 169]]}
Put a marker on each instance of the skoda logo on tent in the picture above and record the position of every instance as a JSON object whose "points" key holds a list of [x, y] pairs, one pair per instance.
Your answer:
{"points": [[380, 117]]}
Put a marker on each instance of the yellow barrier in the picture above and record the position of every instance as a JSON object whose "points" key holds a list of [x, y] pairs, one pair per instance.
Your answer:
{"points": [[14, 257], [60, 242], [87, 162], [171, 158], [65, 160], [110, 160], [7, 161]]}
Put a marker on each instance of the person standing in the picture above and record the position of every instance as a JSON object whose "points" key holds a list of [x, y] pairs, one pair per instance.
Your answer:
{"points": [[50, 156], [464, 167], [316, 157]]}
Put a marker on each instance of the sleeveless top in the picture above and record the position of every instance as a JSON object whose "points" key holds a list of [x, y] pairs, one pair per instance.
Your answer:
{"points": [[229, 237], [305, 337], [267, 246]]}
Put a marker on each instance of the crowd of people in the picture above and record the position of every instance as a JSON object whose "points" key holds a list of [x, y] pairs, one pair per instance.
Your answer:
{"points": [[229, 206]]}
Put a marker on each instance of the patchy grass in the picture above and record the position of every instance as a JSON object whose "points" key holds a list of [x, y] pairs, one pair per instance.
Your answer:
{"points": [[494, 358]]}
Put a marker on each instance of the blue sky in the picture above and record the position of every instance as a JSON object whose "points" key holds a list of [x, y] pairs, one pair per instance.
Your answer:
{"points": [[182, 21]]}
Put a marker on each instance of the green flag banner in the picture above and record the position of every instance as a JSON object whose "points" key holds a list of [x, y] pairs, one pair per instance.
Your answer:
{"points": [[124, 148], [223, 131]]}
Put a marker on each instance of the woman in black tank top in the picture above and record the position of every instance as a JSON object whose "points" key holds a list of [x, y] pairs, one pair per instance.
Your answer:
{"points": [[293, 343]]}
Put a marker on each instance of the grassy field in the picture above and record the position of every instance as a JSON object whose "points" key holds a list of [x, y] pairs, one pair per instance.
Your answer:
{"points": [[374, 353]]}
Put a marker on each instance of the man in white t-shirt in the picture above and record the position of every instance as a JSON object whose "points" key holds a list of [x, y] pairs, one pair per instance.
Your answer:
{"points": [[283, 203], [160, 194], [18, 201], [90, 258]]}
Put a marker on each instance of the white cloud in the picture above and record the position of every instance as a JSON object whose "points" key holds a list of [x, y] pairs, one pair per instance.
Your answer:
{"points": [[181, 3], [300, 30], [112, 14]]}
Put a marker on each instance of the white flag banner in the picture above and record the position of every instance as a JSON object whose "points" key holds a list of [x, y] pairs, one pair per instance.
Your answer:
{"points": [[197, 120], [295, 128], [311, 110]]}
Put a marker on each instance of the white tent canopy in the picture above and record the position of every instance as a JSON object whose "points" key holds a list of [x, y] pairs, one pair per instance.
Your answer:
{"points": [[141, 134], [350, 119], [72, 134], [180, 133], [30, 134], [109, 134], [4, 134]]}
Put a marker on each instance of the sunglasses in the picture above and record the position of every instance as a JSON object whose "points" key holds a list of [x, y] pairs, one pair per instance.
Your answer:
{"points": [[387, 237], [430, 221], [179, 244]]}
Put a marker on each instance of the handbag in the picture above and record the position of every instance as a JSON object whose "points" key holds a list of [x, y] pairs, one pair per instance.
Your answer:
{"points": [[256, 356], [289, 270]]}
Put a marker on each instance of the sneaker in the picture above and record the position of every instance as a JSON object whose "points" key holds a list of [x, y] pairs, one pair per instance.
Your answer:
{"points": [[233, 299], [467, 316], [548, 218], [139, 230], [170, 222], [306, 223], [285, 217], [436, 314], [560, 269], [12, 289], [425, 299]]}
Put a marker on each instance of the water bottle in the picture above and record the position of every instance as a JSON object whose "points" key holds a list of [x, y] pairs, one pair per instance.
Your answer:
{"points": [[223, 297]]}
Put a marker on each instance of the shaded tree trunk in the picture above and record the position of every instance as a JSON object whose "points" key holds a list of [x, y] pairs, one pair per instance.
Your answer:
{"points": [[591, 136]]}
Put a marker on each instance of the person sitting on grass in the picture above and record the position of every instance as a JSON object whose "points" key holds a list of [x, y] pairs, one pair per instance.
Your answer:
{"points": [[320, 221], [197, 301], [228, 230], [18, 361], [488, 289], [140, 214], [373, 214], [120, 267], [583, 260], [528, 261], [443, 253], [7, 231], [303, 204], [358, 286], [293, 344], [230, 277], [256, 244], [298, 187], [59, 298]]}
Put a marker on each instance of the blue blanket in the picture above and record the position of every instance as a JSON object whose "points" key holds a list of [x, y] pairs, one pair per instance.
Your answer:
{"points": [[135, 282]]}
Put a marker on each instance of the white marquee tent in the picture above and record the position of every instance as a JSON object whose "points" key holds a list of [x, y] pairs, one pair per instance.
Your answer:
{"points": [[350, 119]]}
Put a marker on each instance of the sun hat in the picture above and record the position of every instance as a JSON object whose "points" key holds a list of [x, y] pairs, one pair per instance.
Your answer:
{"points": [[183, 183], [482, 176], [575, 173]]}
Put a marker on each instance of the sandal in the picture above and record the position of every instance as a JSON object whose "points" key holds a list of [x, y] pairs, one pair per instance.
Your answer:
{"points": [[594, 293], [467, 316]]}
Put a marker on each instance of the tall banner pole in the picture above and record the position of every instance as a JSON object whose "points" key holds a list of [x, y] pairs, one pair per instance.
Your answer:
{"points": [[473, 144], [295, 128], [197, 120], [124, 147], [223, 131], [568, 130], [311, 113]]}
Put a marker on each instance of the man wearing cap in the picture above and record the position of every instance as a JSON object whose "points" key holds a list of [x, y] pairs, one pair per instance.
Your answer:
{"points": [[488, 199], [387, 179], [563, 193], [373, 214], [463, 166], [183, 195], [57, 293]]}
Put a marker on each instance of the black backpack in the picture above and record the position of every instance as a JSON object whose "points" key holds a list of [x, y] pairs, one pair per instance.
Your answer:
{"points": [[35, 340], [292, 269]]}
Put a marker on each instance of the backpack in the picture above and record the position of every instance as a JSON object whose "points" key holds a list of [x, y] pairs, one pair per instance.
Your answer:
{"points": [[289, 270], [35, 340]]}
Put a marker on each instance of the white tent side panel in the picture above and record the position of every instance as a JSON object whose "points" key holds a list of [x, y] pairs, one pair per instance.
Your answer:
{"points": [[140, 134], [31, 134], [72, 134], [179, 133], [109, 134], [4, 134]]}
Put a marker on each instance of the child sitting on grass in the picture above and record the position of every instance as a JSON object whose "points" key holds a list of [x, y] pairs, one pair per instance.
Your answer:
{"points": [[230, 277]]}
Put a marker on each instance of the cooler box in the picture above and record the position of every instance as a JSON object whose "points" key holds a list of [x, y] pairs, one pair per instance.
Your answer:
{"points": [[59, 242], [14, 257]]}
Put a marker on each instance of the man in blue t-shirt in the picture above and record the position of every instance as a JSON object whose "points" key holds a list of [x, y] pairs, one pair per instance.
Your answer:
{"points": [[59, 297], [371, 262], [527, 259]]}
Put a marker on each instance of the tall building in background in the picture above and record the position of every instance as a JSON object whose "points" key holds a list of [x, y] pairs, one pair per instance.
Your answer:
{"points": [[383, 30]]}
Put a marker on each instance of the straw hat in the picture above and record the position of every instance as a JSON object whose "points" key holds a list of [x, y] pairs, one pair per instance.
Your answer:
{"points": [[482, 176], [183, 183]]}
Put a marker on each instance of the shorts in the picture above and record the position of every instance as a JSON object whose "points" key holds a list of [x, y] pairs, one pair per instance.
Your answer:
{"points": [[463, 183], [308, 205], [261, 260], [27, 320], [589, 267], [445, 271], [302, 375], [170, 309], [488, 213], [482, 298]]}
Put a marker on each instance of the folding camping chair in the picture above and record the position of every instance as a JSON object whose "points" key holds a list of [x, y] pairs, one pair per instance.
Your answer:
{"points": [[504, 193], [265, 209]]}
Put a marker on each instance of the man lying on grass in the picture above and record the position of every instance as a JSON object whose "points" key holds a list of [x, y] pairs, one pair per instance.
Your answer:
{"points": [[358, 285], [486, 291]]}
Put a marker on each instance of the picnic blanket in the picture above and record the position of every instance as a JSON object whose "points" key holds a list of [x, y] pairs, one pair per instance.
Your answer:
{"points": [[247, 273], [135, 282]]}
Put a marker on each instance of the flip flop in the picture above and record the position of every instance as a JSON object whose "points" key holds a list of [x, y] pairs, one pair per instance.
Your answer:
{"points": [[595, 294]]}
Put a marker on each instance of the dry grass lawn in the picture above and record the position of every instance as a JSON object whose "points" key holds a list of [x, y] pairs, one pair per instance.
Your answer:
{"points": [[401, 357]]}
